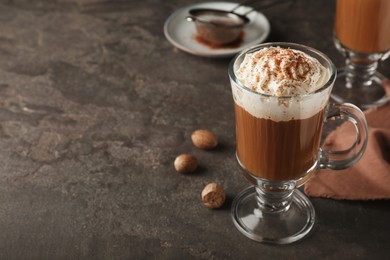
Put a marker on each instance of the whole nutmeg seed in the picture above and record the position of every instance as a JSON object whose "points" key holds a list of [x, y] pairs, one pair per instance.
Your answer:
{"points": [[213, 195], [204, 139], [186, 163]]}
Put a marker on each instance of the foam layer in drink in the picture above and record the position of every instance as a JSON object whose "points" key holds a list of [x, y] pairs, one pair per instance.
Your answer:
{"points": [[286, 73]]}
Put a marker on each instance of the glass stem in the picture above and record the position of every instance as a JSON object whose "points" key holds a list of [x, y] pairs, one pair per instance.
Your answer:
{"points": [[359, 74], [272, 199]]}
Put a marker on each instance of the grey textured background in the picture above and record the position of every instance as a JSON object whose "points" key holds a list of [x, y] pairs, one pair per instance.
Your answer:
{"points": [[95, 104]]}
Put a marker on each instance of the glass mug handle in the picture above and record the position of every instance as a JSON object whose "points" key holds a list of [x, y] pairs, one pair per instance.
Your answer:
{"points": [[338, 160]]}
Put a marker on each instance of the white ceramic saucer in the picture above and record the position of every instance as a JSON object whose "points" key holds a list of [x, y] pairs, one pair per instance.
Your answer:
{"points": [[181, 33]]}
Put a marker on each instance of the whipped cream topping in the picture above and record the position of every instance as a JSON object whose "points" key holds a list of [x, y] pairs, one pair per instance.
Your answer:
{"points": [[281, 72]]}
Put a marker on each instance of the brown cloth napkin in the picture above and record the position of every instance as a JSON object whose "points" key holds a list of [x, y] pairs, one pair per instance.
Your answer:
{"points": [[370, 177]]}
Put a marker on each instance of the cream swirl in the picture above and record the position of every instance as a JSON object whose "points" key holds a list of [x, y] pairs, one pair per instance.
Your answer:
{"points": [[281, 72]]}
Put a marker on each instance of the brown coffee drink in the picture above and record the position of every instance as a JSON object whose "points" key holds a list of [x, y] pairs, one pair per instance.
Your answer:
{"points": [[363, 25], [281, 94], [277, 151], [279, 114]]}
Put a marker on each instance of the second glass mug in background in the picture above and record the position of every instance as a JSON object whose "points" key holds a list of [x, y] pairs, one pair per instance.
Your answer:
{"points": [[279, 155], [362, 35]]}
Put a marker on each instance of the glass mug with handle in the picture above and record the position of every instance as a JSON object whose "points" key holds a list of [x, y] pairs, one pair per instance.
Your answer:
{"points": [[278, 148]]}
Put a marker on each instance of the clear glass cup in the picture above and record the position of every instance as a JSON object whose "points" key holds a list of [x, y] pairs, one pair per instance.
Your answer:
{"points": [[278, 156], [362, 35]]}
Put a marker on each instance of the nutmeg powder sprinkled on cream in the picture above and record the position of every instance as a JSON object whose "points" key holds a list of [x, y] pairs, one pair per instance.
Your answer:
{"points": [[281, 72]]}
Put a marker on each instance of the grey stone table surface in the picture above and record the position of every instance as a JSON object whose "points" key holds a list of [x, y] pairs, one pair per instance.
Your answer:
{"points": [[95, 104]]}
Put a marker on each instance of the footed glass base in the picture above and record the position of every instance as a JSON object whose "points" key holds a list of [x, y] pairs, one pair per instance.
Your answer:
{"points": [[361, 95], [275, 227]]}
